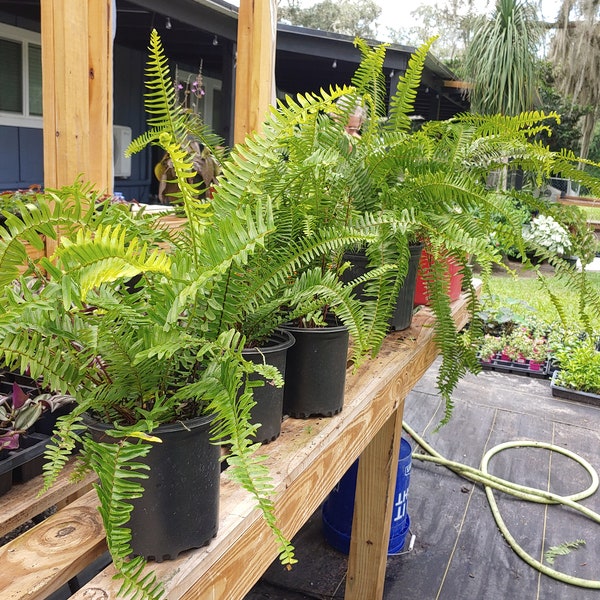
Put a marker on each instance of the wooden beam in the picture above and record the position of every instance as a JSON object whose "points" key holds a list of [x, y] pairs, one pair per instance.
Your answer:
{"points": [[100, 56], [462, 85], [255, 78], [375, 489], [77, 92]]}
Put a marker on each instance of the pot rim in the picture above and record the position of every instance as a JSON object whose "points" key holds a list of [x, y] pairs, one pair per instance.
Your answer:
{"points": [[282, 338], [186, 425]]}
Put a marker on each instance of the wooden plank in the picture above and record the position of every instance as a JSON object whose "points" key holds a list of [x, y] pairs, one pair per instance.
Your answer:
{"points": [[100, 70], [23, 501], [375, 492], [65, 65], [461, 85], [577, 201], [255, 71], [44, 558]]}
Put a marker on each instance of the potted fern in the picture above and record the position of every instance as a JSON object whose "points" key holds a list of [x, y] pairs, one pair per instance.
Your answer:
{"points": [[304, 163], [434, 180]]}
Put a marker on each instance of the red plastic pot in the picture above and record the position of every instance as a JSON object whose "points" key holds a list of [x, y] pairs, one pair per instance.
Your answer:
{"points": [[454, 279]]}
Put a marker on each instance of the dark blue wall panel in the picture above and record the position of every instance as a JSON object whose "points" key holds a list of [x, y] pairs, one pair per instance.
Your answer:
{"points": [[9, 157], [31, 156], [128, 109], [21, 149]]}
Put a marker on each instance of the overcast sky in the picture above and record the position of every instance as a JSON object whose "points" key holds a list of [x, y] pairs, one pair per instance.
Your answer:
{"points": [[396, 13]]}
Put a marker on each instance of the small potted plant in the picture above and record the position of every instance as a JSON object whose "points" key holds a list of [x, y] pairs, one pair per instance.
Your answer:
{"points": [[577, 376], [545, 234], [490, 348]]}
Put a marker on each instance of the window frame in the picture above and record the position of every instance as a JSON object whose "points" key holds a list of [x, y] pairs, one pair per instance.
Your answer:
{"points": [[25, 37]]}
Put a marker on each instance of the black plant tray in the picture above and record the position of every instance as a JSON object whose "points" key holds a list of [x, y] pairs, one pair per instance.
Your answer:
{"points": [[23, 464], [508, 366], [570, 394]]}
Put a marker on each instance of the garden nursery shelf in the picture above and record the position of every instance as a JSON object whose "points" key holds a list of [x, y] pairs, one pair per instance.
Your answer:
{"points": [[306, 462]]}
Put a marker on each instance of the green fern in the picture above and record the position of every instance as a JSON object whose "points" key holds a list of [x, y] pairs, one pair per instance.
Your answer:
{"points": [[402, 101], [562, 550], [119, 469]]}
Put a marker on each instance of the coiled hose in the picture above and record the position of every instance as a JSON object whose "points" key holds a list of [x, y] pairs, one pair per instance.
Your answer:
{"points": [[491, 483]]}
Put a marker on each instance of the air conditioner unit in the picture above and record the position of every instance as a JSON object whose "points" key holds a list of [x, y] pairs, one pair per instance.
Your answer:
{"points": [[121, 139]]}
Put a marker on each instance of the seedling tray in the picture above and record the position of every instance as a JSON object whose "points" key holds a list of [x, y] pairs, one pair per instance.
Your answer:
{"points": [[508, 366], [23, 464], [570, 394]]}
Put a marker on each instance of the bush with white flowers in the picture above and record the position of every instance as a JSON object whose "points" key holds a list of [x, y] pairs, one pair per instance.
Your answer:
{"points": [[546, 232]]}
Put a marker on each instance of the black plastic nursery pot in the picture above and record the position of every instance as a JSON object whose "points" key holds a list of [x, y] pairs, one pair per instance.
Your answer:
{"points": [[268, 410], [24, 463], [179, 509], [402, 314], [315, 375]]}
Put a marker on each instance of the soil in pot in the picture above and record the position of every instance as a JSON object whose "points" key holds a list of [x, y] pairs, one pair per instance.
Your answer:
{"points": [[315, 375], [179, 509], [268, 410]]}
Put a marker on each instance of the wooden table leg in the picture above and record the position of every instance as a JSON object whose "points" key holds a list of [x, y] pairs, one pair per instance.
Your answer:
{"points": [[375, 487]]}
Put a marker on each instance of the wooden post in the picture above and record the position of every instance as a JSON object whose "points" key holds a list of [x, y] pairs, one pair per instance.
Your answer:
{"points": [[375, 487], [255, 72], [77, 93]]}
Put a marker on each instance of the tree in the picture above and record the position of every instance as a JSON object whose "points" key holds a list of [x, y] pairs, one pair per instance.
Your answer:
{"points": [[501, 61], [351, 17], [454, 21], [567, 133], [575, 54]]}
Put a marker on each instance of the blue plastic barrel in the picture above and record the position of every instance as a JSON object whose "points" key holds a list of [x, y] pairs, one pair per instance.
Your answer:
{"points": [[338, 508]]}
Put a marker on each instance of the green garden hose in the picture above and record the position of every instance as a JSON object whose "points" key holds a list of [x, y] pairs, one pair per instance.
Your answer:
{"points": [[490, 482]]}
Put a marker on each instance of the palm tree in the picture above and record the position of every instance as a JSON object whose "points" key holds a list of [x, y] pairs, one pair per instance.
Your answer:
{"points": [[501, 61], [575, 54]]}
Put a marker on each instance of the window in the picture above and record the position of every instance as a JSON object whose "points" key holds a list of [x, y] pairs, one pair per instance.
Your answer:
{"points": [[21, 92]]}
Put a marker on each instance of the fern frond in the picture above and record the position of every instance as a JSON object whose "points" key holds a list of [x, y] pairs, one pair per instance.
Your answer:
{"points": [[562, 550], [119, 469], [101, 256], [402, 101]]}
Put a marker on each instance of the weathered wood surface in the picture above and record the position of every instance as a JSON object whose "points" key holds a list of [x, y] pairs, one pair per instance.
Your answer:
{"points": [[306, 462], [580, 201], [23, 501], [42, 559]]}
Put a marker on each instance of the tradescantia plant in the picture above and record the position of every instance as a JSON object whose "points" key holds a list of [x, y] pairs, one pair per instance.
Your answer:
{"points": [[20, 410]]}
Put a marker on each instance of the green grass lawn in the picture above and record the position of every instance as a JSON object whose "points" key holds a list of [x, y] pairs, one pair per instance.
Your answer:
{"points": [[592, 212], [525, 297]]}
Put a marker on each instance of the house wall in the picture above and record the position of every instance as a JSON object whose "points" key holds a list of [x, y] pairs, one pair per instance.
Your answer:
{"points": [[128, 110], [21, 148], [21, 156]]}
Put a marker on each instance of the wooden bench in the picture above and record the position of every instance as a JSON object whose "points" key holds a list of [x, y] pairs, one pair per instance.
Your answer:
{"points": [[306, 462]]}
